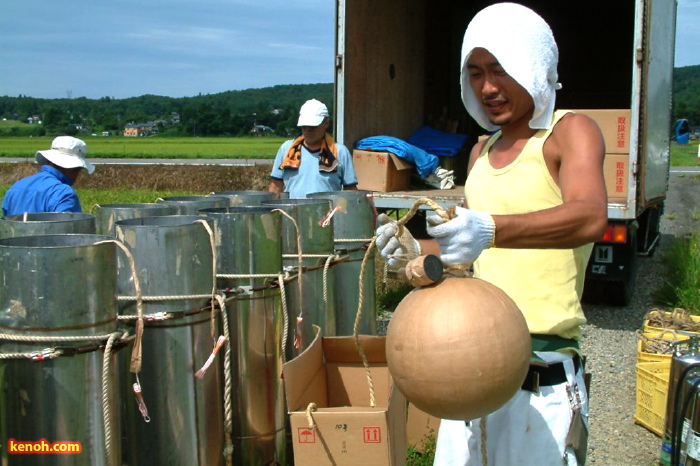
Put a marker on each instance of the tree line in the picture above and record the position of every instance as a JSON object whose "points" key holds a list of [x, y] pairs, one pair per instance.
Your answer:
{"points": [[231, 113], [273, 110], [686, 94]]}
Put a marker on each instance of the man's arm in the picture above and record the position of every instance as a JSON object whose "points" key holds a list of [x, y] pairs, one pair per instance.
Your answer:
{"points": [[276, 186], [348, 177], [276, 182], [574, 154]]}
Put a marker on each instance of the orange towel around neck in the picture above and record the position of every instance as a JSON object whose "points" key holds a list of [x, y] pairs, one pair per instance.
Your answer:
{"points": [[327, 157]]}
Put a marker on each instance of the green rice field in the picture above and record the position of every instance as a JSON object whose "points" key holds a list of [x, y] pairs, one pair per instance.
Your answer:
{"points": [[154, 147]]}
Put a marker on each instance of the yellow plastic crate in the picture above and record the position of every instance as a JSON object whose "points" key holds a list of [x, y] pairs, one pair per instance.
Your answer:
{"points": [[644, 356], [652, 391], [654, 331]]}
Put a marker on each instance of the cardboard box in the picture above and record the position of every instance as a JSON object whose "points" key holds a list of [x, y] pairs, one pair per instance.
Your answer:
{"points": [[419, 426], [346, 431], [381, 171], [616, 171], [615, 125]]}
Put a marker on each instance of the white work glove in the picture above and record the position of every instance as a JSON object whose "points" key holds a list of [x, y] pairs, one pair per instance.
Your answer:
{"points": [[464, 237], [395, 251], [441, 178]]}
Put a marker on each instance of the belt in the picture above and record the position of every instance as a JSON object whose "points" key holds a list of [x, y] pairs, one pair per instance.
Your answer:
{"points": [[552, 374]]}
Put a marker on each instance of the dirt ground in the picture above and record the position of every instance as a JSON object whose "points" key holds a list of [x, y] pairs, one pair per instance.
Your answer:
{"points": [[682, 208], [196, 178]]}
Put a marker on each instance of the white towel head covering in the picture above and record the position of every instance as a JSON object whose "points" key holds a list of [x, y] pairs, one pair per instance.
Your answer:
{"points": [[524, 45]]}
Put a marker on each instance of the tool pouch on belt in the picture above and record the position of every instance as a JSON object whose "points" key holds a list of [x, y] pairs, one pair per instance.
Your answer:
{"points": [[577, 438]]}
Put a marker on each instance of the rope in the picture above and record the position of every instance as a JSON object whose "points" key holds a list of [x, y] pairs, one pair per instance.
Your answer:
{"points": [[285, 315], [350, 240], [164, 297], [484, 448], [212, 244], [452, 269], [370, 250], [416, 205], [155, 317], [309, 418], [233, 275], [135, 364], [308, 256], [228, 405], [106, 412], [300, 316], [43, 339], [110, 338], [659, 344], [678, 319], [358, 317], [46, 353], [325, 293]]}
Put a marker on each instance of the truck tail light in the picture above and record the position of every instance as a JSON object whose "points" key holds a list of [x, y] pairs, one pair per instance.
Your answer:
{"points": [[615, 234]]}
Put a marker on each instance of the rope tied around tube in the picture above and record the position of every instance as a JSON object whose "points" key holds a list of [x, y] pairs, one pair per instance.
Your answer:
{"points": [[298, 333], [110, 339]]}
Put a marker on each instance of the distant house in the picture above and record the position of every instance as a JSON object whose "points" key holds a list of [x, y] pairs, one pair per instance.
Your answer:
{"points": [[134, 130], [34, 120], [261, 130]]}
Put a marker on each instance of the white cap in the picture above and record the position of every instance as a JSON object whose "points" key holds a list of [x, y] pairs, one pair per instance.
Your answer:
{"points": [[312, 113], [66, 152]]}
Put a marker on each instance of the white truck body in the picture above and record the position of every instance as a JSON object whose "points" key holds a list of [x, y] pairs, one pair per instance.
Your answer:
{"points": [[397, 68]]}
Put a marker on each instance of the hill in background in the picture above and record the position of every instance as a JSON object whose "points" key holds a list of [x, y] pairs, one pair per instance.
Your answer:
{"points": [[268, 110], [232, 113], [686, 94]]}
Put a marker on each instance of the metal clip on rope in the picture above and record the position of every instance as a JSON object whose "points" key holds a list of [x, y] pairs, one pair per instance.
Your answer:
{"points": [[139, 400]]}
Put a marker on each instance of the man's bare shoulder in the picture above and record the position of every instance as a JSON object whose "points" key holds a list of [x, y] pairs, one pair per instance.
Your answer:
{"points": [[575, 123], [578, 130], [476, 151]]}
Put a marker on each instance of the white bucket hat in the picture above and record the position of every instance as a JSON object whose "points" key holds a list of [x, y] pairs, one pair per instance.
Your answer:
{"points": [[312, 113], [66, 152]]}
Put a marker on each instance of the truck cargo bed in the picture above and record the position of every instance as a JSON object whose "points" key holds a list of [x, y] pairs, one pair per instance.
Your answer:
{"points": [[406, 199]]}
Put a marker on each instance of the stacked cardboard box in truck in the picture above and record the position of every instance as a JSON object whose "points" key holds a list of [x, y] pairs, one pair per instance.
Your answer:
{"points": [[615, 124]]}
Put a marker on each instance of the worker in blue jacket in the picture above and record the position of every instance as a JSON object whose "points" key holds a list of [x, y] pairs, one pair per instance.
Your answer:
{"points": [[50, 189]]}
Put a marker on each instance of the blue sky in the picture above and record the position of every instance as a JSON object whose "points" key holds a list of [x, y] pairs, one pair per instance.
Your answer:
{"points": [[125, 48]]}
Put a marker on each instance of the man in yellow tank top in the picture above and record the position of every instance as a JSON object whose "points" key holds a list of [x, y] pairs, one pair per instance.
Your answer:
{"points": [[536, 202]]}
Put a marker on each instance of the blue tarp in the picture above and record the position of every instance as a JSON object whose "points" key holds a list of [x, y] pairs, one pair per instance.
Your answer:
{"points": [[424, 162], [437, 142], [682, 131]]}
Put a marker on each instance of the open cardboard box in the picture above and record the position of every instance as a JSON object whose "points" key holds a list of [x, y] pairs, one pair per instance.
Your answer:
{"points": [[420, 426], [346, 429], [381, 171]]}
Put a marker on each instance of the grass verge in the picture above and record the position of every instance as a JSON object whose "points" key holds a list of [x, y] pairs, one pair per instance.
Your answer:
{"points": [[156, 147], [681, 287], [426, 457]]}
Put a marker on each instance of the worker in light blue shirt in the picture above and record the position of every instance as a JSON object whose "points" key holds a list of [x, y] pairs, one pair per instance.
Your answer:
{"points": [[50, 189], [313, 162]]}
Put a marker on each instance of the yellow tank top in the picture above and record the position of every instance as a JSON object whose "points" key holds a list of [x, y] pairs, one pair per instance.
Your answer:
{"points": [[546, 284]]}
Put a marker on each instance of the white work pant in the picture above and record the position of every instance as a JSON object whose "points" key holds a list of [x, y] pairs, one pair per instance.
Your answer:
{"points": [[530, 429]]}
